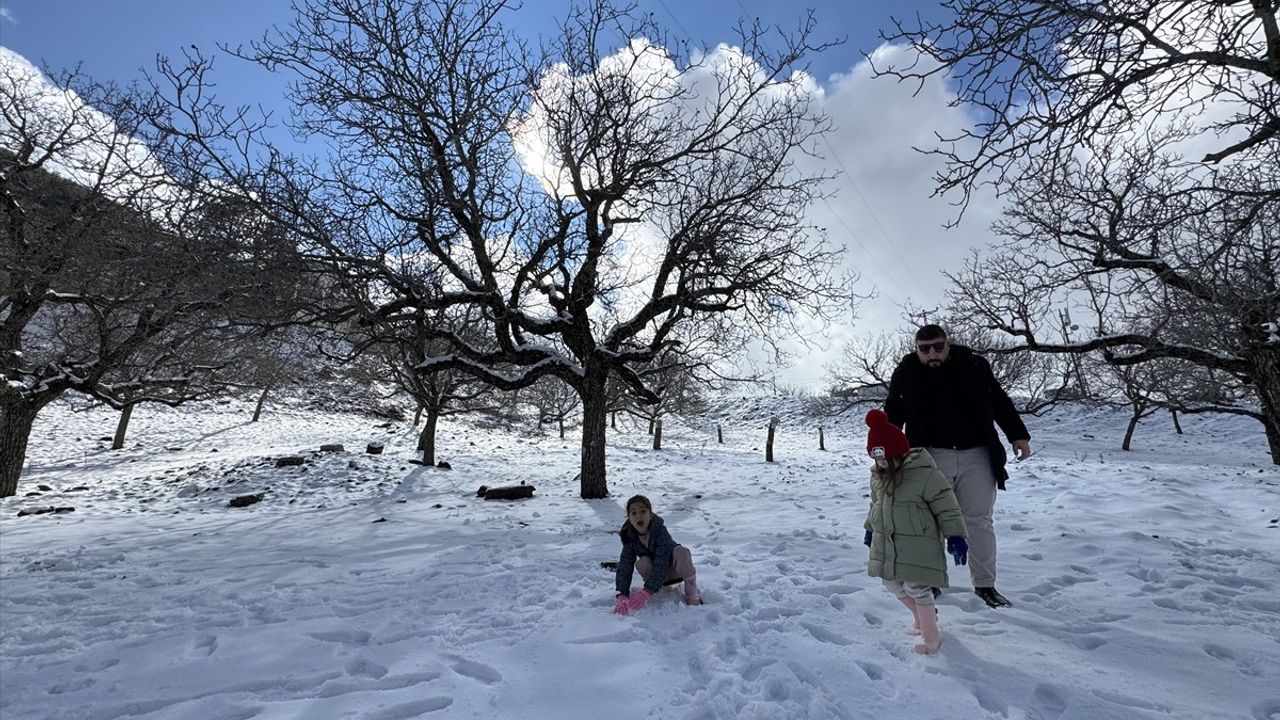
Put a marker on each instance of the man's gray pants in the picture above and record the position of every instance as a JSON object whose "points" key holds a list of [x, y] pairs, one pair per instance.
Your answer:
{"points": [[975, 486]]}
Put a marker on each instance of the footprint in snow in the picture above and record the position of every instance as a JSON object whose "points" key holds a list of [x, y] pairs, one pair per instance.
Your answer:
{"points": [[409, 710], [1047, 702], [825, 635], [1219, 652], [1109, 617], [873, 671], [477, 671], [363, 667], [1088, 642], [72, 686], [97, 666], [751, 672], [203, 647], [346, 637]]}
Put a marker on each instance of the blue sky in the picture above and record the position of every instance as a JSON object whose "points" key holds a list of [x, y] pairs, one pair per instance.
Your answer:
{"points": [[114, 38], [882, 212]]}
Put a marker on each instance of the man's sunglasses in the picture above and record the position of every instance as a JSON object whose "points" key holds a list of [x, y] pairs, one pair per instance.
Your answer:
{"points": [[937, 347]]}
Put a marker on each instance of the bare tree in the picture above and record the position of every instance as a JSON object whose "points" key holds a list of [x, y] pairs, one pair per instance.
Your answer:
{"points": [[678, 378], [113, 285], [1087, 115], [866, 364], [1043, 76], [281, 356], [862, 371], [554, 400], [1152, 273], [586, 210], [406, 349]]}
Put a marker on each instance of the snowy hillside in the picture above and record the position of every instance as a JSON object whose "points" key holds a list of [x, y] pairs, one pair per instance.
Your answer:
{"points": [[1146, 584]]}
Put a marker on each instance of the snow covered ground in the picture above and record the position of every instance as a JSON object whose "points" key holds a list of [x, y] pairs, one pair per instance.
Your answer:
{"points": [[1146, 584]]}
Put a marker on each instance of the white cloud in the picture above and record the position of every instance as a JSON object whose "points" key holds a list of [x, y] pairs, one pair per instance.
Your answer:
{"points": [[882, 212], [671, 105], [7, 15]]}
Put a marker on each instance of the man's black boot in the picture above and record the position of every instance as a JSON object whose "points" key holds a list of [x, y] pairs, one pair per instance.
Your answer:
{"points": [[992, 598]]}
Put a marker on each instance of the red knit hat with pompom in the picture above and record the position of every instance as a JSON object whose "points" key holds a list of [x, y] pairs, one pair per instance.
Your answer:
{"points": [[884, 439]]}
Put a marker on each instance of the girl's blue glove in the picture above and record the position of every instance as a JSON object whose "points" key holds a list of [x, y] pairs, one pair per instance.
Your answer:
{"points": [[866, 540], [959, 549]]}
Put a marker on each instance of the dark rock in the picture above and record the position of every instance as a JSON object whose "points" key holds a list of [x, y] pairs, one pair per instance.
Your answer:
{"points": [[380, 520], [290, 460], [78, 488], [444, 465], [245, 500], [332, 447], [44, 488], [510, 492], [374, 448], [46, 510]]}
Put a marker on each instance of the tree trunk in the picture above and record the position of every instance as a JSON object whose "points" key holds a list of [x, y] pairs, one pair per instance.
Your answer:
{"points": [[122, 427], [262, 400], [1128, 433], [613, 420], [657, 434], [561, 419], [427, 438], [417, 417], [1266, 379], [1176, 425], [651, 425], [768, 444], [822, 441], [1273, 439], [594, 420], [16, 420], [719, 434]]}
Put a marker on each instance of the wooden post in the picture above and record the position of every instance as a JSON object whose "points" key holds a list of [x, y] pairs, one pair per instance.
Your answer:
{"points": [[822, 442], [657, 434], [768, 445]]}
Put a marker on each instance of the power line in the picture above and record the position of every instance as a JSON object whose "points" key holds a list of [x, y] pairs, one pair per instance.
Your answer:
{"points": [[853, 184], [676, 20], [866, 253]]}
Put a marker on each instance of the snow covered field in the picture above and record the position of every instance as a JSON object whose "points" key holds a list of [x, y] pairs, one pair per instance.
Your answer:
{"points": [[1146, 584]]}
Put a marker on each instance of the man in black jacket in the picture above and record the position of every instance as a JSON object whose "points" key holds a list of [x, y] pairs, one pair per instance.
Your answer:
{"points": [[946, 399]]}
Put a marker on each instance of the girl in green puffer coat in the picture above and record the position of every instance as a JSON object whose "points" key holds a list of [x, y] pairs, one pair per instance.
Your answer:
{"points": [[912, 509]]}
